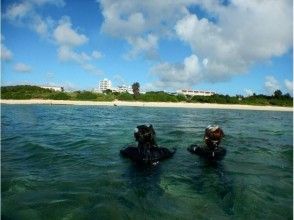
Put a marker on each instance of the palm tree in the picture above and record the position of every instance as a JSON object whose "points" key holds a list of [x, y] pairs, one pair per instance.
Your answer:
{"points": [[136, 88], [278, 94]]}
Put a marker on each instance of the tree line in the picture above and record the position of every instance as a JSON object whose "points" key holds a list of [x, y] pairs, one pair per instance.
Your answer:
{"points": [[35, 92]]}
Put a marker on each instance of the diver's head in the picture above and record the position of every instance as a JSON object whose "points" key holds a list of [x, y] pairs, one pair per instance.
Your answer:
{"points": [[213, 135], [145, 134]]}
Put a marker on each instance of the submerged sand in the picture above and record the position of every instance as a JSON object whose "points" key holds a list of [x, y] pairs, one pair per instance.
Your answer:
{"points": [[149, 104]]}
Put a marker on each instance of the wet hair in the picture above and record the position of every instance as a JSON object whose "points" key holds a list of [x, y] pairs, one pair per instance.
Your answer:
{"points": [[145, 134]]}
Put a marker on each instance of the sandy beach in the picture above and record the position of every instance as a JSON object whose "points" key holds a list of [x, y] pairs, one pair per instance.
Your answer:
{"points": [[149, 104]]}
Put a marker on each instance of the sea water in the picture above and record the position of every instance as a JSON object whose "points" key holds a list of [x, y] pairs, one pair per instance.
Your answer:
{"points": [[63, 162]]}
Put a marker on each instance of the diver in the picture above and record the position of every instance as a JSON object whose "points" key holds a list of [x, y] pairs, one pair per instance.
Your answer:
{"points": [[212, 138], [147, 151]]}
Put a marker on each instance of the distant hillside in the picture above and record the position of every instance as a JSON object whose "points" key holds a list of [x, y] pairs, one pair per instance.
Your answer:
{"points": [[35, 92], [30, 92]]}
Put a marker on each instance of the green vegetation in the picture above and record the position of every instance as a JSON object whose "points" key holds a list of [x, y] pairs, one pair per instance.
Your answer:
{"points": [[125, 97], [35, 92], [85, 95], [59, 96], [25, 92], [158, 97]]}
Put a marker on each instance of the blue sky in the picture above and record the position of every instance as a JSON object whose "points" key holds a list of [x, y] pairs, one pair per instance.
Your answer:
{"points": [[229, 47]]}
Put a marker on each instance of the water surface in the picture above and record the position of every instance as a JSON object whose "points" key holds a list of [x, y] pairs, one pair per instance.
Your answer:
{"points": [[63, 162]]}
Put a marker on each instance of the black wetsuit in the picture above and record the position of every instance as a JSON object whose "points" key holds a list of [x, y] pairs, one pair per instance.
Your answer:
{"points": [[212, 153]]}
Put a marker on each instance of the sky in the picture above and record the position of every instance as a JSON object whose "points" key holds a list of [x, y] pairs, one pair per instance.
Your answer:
{"points": [[224, 46]]}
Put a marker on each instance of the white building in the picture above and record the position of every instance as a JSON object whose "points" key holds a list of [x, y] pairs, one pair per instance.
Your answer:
{"points": [[104, 85], [123, 88], [55, 88], [194, 92]]}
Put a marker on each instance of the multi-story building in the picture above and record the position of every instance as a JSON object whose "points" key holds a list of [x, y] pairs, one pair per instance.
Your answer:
{"points": [[124, 88], [104, 85], [195, 92]]}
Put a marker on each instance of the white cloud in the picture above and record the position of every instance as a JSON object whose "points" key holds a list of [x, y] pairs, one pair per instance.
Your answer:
{"points": [[67, 54], [66, 36], [205, 62], [114, 25], [289, 86], [179, 75], [271, 84], [141, 23], [146, 46], [18, 11], [68, 40], [133, 18], [240, 34], [40, 26], [25, 14], [6, 54], [22, 68], [96, 54], [246, 32], [21, 10]]}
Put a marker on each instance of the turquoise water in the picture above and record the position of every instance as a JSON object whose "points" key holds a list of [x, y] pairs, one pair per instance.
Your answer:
{"points": [[63, 162]]}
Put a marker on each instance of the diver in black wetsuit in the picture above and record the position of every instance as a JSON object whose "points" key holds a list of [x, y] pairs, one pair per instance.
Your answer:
{"points": [[212, 138], [147, 151]]}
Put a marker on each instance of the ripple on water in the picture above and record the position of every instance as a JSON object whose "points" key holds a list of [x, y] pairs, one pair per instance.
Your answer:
{"points": [[63, 162]]}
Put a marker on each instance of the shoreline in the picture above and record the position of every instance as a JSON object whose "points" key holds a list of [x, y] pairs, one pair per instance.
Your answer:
{"points": [[148, 104]]}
